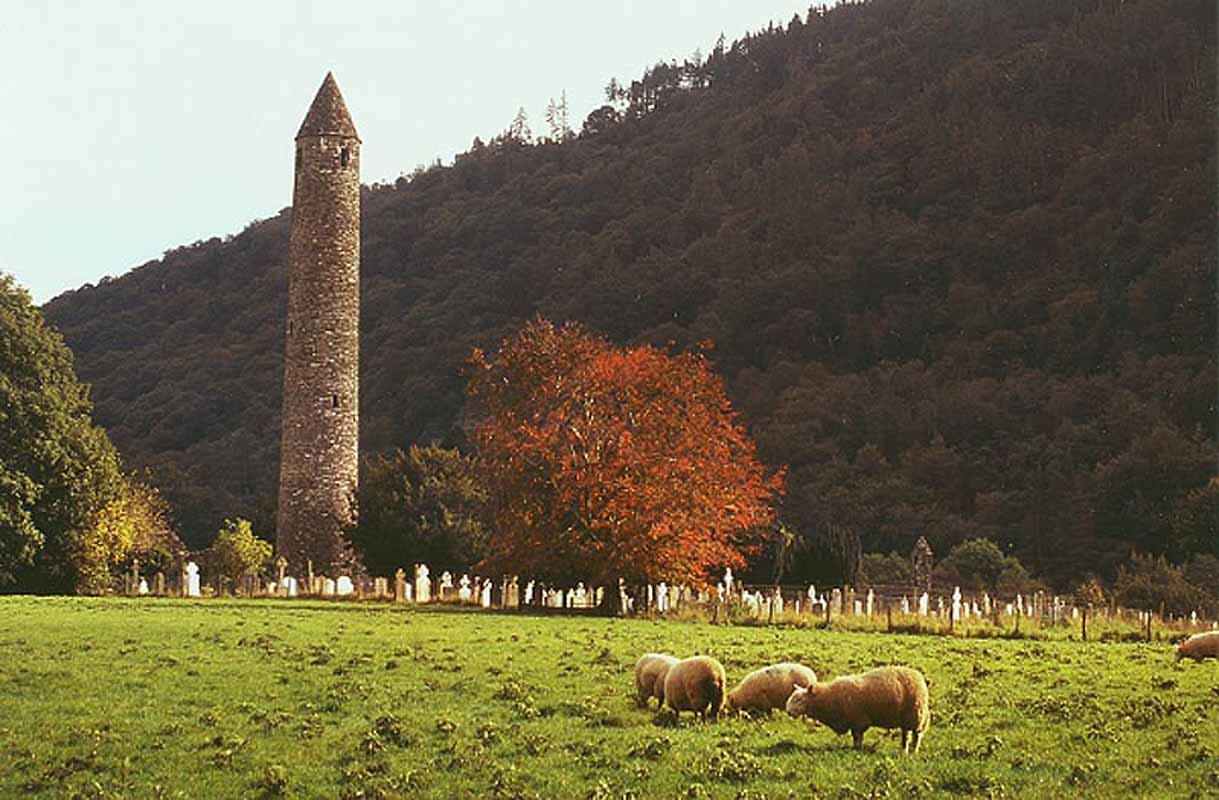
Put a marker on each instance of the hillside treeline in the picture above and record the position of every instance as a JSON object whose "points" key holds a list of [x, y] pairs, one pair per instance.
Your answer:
{"points": [[957, 262]]}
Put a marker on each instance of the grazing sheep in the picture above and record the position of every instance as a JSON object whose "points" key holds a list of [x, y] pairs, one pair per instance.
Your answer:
{"points": [[695, 684], [650, 672], [768, 688], [888, 697], [1199, 646]]}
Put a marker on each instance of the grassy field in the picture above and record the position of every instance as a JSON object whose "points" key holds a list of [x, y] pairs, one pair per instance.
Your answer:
{"points": [[164, 698]]}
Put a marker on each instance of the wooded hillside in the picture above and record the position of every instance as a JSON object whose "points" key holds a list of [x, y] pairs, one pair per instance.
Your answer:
{"points": [[957, 260]]}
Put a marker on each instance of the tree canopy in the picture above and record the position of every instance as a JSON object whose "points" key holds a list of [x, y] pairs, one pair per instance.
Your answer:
{"points": [[58, 472], [424, 505], [604, 463]]}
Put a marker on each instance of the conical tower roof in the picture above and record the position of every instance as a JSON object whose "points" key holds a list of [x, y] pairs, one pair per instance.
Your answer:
{"points": [[328, 116]]}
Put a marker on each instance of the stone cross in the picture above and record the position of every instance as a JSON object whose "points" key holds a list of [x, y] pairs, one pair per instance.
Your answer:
{"points": [[485, 599], [135, 576], [281, 569], [463, 594], [728, 580], [446, 584]]}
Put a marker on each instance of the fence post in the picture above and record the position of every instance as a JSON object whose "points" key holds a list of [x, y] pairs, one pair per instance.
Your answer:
{"points": [[1083, 621]]}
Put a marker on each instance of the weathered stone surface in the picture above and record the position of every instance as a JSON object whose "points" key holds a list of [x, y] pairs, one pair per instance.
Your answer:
{"points": [[320, 444]]}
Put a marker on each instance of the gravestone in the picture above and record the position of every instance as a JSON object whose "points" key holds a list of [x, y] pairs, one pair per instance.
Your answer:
{"points": [[281, 570], [423, 584], [581, 596], [158, 583], [484, 599], [464, 593], [662, 597], [344, 586], [328, 586], [870, 602], [514, 593], [728, 580], [380, 587], [836, 602], [192, 580], [400, 586], [290, 588], [905, 604], [143, 586], [446, 585], [924, 604]]}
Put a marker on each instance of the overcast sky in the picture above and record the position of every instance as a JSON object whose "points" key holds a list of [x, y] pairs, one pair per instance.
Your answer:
{"points": [[133, 127]]}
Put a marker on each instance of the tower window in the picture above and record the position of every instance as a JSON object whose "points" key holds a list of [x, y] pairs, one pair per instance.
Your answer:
{"points": [[344, 156], [334, 401]]}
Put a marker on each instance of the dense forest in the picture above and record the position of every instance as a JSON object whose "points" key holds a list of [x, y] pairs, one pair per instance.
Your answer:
{"points": [[957, 261]]}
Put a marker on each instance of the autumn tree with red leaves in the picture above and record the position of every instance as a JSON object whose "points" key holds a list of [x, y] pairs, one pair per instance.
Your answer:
{"points": [[603, 463]]}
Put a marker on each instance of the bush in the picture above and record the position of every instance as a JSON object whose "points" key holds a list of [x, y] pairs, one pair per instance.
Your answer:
{"points": [[979, 564], [1150, 583], [237, 551]]}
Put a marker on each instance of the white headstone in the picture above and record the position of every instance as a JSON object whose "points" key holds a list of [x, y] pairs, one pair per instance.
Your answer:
{"points": [[192, 579], [290, 586], [423, 584], [529, 593], [662, 597], [728, 579], [870, 602], [924, 604], [485, 599], [143, 589], [464, 593], [905, 604], [581, 597], [328, 587], [344, 586]]}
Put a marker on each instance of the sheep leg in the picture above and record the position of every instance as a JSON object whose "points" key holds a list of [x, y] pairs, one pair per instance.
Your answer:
{"points": [[916, 737], [905, 734], [857, 736]]}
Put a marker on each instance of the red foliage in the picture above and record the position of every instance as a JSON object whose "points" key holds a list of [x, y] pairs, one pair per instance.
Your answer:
{"points": [[604, 463]]}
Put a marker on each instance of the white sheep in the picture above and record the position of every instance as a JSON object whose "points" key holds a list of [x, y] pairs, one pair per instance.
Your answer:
{"points": [[888, 697], [768, 688], [695, 684], [1199, 646], [650, 672]]}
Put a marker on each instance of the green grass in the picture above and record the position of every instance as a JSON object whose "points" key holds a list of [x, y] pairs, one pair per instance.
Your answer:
{"points": [[165, 698]]}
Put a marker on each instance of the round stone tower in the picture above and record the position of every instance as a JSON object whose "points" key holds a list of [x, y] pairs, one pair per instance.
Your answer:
{"points": [[319, 451]]}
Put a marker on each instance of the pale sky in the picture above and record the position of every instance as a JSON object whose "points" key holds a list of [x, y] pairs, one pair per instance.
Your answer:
{"points": [[137, 126]]}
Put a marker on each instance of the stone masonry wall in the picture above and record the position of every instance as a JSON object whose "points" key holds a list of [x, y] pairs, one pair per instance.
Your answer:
{"points": [[320, 445]]}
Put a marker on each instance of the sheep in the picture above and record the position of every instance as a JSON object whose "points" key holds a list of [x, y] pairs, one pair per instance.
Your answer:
{"points": [[768, 688], [1199, 646], [888, 697], [650, 672], [695, 684]]}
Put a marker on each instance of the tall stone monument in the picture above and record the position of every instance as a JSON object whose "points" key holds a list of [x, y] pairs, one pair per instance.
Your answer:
{"points": [[319, 456]]}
